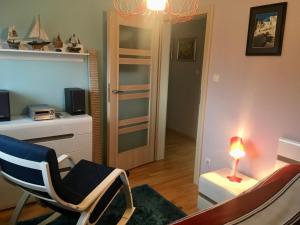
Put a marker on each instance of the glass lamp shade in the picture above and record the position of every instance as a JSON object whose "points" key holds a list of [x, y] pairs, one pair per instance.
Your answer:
{"points": [[175, 11], [156, 5], [237, 149]]}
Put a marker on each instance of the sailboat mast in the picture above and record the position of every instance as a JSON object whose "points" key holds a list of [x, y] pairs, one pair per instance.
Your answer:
{"points": [[39, 21]]}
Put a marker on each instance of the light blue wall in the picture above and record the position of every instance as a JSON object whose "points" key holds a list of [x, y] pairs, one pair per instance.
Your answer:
{"points": [[86, 18], [39, 81], [33, 82], [36, 82]]}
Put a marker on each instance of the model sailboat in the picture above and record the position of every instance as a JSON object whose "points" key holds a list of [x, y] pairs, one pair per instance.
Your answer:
{"points": [[12, 38], [38, 36]]}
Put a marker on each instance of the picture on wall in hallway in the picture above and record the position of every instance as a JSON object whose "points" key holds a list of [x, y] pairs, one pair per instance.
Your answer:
{"points": [[186, 49], [266, 29]]}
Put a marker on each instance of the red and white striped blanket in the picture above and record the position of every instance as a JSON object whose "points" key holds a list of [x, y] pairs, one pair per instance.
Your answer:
{"points": [[274, 201]]}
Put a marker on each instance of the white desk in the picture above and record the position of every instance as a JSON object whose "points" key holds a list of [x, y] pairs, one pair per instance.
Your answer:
{"points": [[214, 187]]}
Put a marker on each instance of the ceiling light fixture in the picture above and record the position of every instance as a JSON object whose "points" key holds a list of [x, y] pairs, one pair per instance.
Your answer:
{"points": [[156, 5], [173, 10]]}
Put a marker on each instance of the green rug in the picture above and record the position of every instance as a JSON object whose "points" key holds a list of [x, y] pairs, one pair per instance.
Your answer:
{"points": [[151, 209]]}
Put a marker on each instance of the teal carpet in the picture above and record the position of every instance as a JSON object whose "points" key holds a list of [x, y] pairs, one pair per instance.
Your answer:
{"points": [[151, 209]]}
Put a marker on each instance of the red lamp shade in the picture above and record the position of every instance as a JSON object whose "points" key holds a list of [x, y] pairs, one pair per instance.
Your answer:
{"points": [[237, 151]]}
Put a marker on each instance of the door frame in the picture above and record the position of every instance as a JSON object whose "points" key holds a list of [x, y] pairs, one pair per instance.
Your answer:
{"points": [[163, 82]]}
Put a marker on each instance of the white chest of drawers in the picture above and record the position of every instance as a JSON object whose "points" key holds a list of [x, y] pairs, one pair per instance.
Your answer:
{"points": [[71, 135]]}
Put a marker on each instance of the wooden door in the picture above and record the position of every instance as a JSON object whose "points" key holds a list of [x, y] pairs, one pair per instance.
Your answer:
{"points": [[132, 90]]}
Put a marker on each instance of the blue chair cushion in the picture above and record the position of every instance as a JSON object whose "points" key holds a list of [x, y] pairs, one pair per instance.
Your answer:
{"points": [[83, 179], [25, 151], [86, 176], [73, 188], [105, 200], [36, 153]]}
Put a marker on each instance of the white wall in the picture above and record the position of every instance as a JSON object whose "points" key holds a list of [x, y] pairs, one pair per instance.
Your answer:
{"points": [[185, 80], [257, 97]]}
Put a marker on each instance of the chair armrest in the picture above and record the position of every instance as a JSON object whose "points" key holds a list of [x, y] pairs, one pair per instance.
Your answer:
{"points": [[64, 157], [100, 189]]}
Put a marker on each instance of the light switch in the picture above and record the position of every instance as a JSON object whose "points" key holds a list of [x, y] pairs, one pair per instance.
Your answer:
{"points": [[216, 77]]}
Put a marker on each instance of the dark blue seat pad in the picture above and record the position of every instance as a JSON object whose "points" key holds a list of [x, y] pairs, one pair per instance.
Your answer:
{"points": [[83, 179]]}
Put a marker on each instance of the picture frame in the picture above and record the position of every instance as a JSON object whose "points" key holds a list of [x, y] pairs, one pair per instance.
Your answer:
{"points": [[266, 30], [186, 49]]}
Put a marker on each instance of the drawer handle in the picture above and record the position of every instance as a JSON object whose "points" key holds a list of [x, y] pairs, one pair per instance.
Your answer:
{"points": [[50, 138]]}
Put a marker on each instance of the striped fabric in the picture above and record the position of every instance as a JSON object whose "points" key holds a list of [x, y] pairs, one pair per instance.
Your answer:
{"points": [[275, 201]]}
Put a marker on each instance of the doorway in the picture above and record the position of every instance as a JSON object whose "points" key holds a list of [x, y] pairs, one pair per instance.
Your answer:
{"points": [[166, 58], [185, 76], [157, 113]]}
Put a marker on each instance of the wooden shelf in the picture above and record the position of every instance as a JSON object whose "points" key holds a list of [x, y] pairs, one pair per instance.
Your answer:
{"points": [[11, 54]]}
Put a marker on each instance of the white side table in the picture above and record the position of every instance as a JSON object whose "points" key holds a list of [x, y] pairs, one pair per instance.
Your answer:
{"points": [[215, 188]]}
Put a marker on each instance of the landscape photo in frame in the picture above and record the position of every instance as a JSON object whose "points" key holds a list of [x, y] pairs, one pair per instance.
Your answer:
{"points": [[266, 29], [186, 49]]}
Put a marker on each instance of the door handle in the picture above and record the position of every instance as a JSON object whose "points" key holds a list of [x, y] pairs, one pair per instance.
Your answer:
{"points": [[117, 91]]}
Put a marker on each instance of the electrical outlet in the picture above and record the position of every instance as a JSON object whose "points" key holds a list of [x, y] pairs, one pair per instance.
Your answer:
{"points": [[216, 78], [208, 163]]}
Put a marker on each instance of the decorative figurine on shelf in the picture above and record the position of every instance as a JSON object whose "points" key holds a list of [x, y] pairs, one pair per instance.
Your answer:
{"points": [[12, 38], [58, 44], [74, 44], [39, 36]]}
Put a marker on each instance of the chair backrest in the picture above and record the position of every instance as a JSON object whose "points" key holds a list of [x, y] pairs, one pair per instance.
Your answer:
{"points": [[34, 168]]}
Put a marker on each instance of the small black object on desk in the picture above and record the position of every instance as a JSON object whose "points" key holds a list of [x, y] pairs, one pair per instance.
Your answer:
{"points": [[75, 101], [4, 106]]}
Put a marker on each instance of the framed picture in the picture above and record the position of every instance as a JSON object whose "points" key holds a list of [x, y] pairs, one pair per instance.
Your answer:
{"points": [[266, 29], [186, 49]]}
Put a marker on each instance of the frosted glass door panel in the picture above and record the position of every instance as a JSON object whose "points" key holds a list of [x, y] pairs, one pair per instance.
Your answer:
{"points": [[133, 140], [135, 38], [134, 74], [133, 108]]}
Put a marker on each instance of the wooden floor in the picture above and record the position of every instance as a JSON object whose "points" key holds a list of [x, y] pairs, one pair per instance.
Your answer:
{"points": [[172, 178]]}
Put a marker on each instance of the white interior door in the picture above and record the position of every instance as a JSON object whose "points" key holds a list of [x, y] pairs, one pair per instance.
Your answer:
{"points": [[132, 90]]}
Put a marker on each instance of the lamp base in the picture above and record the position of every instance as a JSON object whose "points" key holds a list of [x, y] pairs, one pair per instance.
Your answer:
{"points": [[234, 179]]}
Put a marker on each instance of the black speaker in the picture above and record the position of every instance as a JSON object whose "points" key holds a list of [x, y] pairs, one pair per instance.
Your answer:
{"points": [[75, 101], [4, 106]]}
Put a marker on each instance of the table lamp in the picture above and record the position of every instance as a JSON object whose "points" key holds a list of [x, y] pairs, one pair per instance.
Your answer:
{"points": [[237, 151]]}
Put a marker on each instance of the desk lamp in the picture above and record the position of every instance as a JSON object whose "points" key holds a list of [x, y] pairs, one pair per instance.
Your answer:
{"points": [[237, 152]]}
